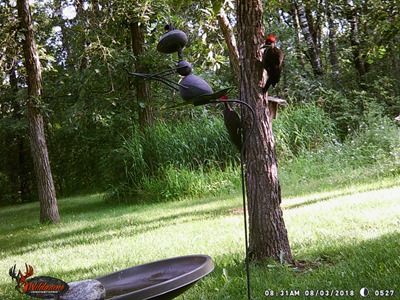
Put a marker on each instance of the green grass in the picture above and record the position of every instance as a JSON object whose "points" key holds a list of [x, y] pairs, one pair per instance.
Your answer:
{"points": [[348, 239]]}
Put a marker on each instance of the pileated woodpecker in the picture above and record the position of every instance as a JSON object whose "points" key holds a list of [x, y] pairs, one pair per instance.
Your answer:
{"points": [[232, 124], [272, 62]]}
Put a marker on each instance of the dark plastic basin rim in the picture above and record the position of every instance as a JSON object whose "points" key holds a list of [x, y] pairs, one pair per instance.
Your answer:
{"points": [[165, 287], [184, 279]]}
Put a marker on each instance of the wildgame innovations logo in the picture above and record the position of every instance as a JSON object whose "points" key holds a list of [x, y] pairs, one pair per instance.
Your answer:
{"points": [[40, 286]]}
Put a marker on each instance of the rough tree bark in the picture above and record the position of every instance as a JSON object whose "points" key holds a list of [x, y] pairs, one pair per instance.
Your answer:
{"points": [[46, 191], [267, 232]]}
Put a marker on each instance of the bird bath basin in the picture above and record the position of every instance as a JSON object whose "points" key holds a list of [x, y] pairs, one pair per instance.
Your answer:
{"points": [[163, 279]]}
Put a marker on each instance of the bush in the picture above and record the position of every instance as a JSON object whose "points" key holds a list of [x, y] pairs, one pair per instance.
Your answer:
{"points": [[353, 108], [174, 183], [376, 141], [169, 160], [195, 158], [302, 128], [198, 142], [372, 151]]}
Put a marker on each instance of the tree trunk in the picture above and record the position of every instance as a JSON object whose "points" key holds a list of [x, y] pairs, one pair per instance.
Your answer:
{"points": [[230, 41], [312, 46], [267, 232], [142, 87], [332, 42], [355, 38], [46, 191], [299, 53]]}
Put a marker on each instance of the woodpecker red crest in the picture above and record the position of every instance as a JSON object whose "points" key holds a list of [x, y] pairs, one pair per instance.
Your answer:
{"points": [[271, 38]]}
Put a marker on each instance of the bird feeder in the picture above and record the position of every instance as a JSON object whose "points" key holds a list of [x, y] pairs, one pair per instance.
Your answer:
{"points": [[196, 91], [273, 106]]}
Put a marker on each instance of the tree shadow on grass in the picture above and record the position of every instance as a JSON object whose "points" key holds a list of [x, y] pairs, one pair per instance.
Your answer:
{"points": [[372, 263], [95, 221], [326, 196]]}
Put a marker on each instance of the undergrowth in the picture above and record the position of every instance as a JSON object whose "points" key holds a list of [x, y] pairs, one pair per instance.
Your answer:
{"points": [[195, 158]]}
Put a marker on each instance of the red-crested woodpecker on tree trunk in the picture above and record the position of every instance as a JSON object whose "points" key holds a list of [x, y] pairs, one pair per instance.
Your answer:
{"points": [[272, 62]]}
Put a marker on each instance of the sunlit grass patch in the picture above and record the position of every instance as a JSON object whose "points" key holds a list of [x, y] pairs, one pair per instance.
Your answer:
{"points": [[346, 240]]}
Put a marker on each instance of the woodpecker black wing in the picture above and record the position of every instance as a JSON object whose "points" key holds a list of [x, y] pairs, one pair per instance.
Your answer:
{"points": [[233, 126], [272, 62]]}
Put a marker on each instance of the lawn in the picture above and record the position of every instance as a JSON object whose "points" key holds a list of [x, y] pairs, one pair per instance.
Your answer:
{"points": [[346, 239]]}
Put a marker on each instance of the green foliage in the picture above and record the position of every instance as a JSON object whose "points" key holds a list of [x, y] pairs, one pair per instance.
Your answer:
{"points": [[370, 153], [6, 191], [351, 111], [172, 160], [90, 104], [190, 143], [177, 183], [165, 163], [302, 128]]}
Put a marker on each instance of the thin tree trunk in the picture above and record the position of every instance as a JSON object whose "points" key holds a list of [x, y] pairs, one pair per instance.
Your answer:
{"points": [[332, 42], [299, 53], [142, 87], [313, 52], [267, 232], [355, 38], [46, 191], [230, 40]]}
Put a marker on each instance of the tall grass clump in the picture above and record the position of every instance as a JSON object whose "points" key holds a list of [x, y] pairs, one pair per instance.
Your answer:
{"points": [[173, 160], [302, 128], [195, 158], [367, 154], [193, 143], [184, 182]]}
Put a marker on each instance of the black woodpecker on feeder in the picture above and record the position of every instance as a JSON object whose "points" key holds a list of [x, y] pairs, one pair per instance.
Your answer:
{"points": [[272, 62], [233, 124]]}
